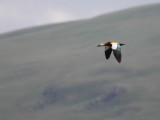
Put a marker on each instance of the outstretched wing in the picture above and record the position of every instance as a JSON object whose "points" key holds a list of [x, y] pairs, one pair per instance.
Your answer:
{"points": [[108, 51], [117, 54]]}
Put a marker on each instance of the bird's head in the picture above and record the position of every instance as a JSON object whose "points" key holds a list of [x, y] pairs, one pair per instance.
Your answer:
{"points": [[100, 45]]}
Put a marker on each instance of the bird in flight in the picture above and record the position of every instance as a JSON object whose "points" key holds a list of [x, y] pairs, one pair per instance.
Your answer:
{"points": [[116, 47]]}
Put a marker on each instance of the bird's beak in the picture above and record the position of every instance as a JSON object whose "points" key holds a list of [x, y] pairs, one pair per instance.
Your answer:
{"points": [[100, 45]]}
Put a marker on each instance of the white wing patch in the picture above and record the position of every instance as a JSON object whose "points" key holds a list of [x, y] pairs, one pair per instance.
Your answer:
{"points": [[114, 46]]}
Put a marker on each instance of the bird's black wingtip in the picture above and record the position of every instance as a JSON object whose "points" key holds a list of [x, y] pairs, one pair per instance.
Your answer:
{"points": [[117, 55]]}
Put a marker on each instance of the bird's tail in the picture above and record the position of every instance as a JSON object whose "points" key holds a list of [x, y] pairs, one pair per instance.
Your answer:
{"points": [[121, 44]]}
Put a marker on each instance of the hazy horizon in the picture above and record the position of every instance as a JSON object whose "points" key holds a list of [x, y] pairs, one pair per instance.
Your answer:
{"points": [[19, 14]]}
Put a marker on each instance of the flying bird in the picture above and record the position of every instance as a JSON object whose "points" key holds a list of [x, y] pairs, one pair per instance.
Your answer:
{"points": [[115, 46]]}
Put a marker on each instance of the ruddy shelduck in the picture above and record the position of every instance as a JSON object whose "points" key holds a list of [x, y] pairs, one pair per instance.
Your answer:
{"points": [[115, 46]]}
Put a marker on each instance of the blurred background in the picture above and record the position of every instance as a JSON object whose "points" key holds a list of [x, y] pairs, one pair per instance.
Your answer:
{"points": [[51, 68], [17, 14]]}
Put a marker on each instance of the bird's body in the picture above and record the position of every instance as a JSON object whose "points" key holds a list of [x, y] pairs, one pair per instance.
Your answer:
{"points": [[116, 47]]}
